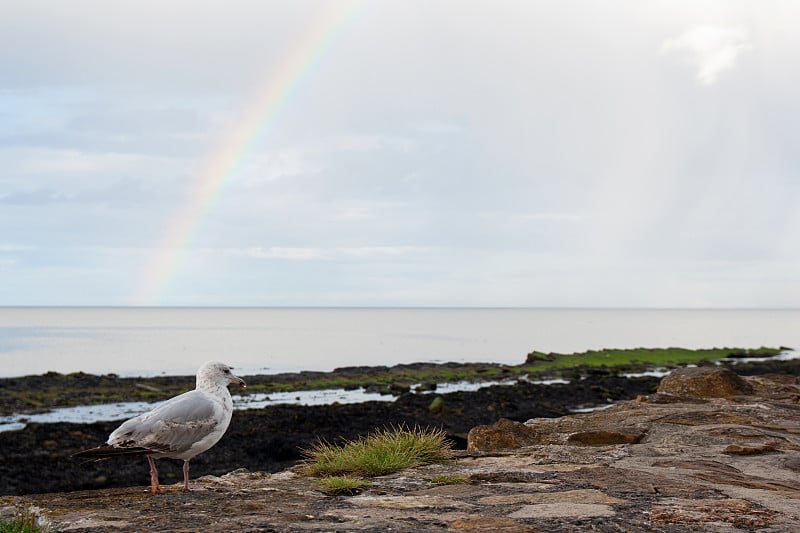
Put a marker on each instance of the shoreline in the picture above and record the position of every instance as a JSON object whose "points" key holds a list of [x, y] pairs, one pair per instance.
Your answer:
{"points": [[39, 393], [270, 439]]}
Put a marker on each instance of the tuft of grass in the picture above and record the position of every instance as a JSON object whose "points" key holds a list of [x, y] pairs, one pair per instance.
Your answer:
{"points": [[25, 522], [450, 480], [383, 452], [342, 485]]}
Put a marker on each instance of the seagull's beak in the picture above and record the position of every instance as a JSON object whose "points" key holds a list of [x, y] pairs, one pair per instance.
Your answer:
{"points": [[232, 378]]}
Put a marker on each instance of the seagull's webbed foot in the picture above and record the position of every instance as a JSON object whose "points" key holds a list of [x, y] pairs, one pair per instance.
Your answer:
{"points": [[154, 486], [186, 476]]}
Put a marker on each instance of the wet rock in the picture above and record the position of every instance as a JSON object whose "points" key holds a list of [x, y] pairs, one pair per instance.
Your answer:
{"points": [[704, 382], [428, 386], [437, 405], [397, 388]]}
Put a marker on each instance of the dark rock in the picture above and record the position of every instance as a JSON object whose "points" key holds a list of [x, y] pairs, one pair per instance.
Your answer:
{"points": [[374, 389], [399, 388], [357, 370], [604, 437], [535, 357], [437, 405], [427, 386]]}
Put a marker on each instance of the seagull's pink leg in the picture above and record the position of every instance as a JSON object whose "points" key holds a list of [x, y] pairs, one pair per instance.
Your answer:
{"points": [[154, 477], [186, 475]]}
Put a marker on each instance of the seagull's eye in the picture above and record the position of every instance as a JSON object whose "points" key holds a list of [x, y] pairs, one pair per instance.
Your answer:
{"points": [[227, 371]]}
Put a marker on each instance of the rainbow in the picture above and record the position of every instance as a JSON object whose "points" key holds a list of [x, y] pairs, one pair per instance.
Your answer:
{"points": [[273, 96]]}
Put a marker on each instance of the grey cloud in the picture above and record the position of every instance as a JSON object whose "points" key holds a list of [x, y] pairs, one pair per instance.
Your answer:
{"points": [[116, 192], [151, 45], [126, 127], [537, 151], [35, 197]]}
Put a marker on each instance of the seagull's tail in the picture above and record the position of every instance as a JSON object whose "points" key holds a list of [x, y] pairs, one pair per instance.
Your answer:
{"points": [[104, 452]]}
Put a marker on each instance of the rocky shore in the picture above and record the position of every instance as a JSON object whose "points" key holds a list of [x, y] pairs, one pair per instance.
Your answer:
{"points": [[707, 451], [38, 457]]}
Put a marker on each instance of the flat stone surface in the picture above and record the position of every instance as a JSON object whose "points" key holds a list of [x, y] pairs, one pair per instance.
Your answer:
{"points": [[569, 496], [483, 523], [679, 477], [563, 510]]}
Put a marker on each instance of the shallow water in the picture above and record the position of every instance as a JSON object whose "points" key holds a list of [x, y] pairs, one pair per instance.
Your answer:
{"points": [[87, 414]]}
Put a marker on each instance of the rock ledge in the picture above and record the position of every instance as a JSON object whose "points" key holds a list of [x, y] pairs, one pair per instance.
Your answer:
{"points": [[660, 463]]}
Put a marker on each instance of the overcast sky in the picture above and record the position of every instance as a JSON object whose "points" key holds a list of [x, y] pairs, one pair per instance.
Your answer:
{"points": [[428, 153]]}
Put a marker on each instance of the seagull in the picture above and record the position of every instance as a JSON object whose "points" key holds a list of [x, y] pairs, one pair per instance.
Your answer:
{"points": [[179, 428]]}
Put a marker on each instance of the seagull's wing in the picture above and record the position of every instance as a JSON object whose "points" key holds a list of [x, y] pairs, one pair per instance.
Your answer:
{"points": [[172, 427]]}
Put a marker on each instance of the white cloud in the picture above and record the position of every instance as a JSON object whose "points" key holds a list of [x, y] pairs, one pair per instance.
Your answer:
{"points": [[553, 217], [20, 164], [275, 252], [371, 251], [712, 50], [6, 248], [263, 168], [315, 253], [366, 211], [368, 143]]}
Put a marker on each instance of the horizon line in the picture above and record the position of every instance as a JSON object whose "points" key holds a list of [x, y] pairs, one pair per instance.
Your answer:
{"points": [[401, 307]]}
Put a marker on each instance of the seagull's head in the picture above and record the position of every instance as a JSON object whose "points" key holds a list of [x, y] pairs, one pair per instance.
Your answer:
{"points": [[218, 374]]}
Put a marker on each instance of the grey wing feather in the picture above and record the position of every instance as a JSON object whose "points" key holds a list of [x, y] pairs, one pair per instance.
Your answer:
{"points": [[173, 426]]}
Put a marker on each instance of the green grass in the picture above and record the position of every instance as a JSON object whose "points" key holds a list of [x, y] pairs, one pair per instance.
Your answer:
{"points": [[383, 452], [650, 357], [25, 522], [342, 485]]}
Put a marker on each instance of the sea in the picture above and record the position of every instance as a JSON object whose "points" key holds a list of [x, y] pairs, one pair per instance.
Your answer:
{"points": [[142, 341]]}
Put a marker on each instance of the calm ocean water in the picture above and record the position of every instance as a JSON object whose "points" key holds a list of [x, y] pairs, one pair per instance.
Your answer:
{"points": [[153, 341]]}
